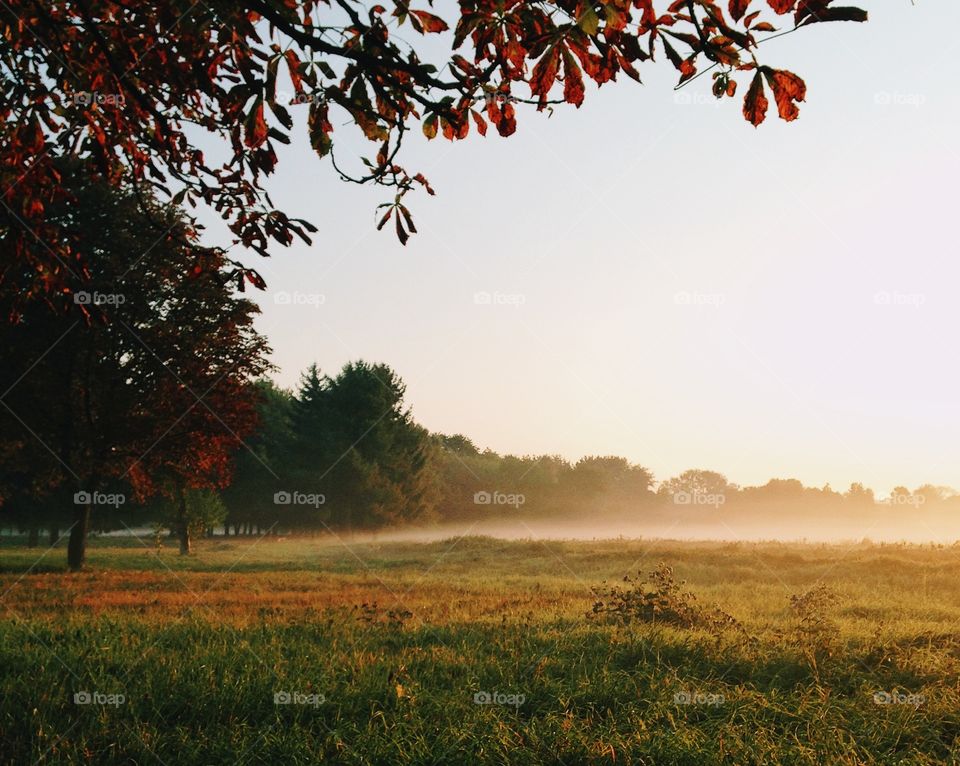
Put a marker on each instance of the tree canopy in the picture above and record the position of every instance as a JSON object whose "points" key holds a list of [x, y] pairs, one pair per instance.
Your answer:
{"points": [[154, 401], [135, 89]]}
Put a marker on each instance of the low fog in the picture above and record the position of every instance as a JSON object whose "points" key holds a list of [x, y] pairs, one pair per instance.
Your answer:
{"points": [[910, 525]]}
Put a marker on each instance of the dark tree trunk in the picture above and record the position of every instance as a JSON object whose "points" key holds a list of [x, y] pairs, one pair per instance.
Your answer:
{"points": [[77, 546], [33, 537], [183, 528]]}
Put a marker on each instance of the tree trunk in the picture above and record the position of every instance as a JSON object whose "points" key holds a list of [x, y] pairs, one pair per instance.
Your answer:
{"points": [[54, 534], [33, 537], [77, 546], [183, 528]]}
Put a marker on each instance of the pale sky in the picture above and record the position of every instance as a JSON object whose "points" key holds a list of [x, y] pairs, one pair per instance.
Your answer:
{"points": [[669, 284]]}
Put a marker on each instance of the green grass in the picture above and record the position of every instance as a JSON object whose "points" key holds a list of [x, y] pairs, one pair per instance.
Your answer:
{"points": [[399, 637]]}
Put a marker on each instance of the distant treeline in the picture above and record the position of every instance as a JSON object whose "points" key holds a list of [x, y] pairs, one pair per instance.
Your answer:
{"points": [[344, 452]]}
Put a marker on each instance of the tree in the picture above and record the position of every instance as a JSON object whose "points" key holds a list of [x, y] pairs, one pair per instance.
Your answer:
{"points": [[135, 90], [156, 399], [930, 495], [859, 496], [458, 444], [697, 482], [191, 513], [260, 468], [608, 473], [358, 447]]}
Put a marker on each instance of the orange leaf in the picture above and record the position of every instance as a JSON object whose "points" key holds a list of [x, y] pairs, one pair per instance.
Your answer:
{"points": [[481, 123], [430, 22], [256, 126], [787, 88], [738, 8], [544, 74], [293, 64], [755, 102], [782, 6], [573, 92]]}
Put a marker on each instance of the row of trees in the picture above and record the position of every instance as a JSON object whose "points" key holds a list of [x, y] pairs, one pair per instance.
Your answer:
{"points": [[344, 452]]}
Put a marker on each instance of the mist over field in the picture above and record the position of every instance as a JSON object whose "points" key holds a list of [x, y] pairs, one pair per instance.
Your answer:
{"points": [[823, 527]]}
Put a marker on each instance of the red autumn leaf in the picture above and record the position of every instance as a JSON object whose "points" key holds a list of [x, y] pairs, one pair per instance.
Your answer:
{"points": [[255, 279], [255, 132], [293, 65], [319, 127], [782, 6], [430, 22], [573, 92], [401, 234], [787, 88], [755, 102], [738, 8], [481, 123], [420, 179], [407, 218], [507, 123], [544, 74]]}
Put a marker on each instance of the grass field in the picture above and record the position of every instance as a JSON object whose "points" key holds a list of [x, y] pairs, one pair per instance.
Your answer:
{"points": [[477, 651]]}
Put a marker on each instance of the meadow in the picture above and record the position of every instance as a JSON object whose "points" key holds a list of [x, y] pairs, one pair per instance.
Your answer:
{"points": [[477, 650]]}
